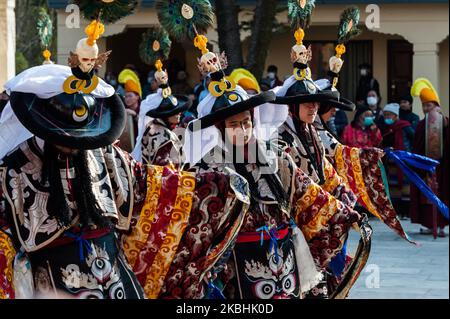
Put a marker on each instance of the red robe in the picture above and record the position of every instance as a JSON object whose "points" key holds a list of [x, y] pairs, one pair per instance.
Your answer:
{"points": [[421, 210]]}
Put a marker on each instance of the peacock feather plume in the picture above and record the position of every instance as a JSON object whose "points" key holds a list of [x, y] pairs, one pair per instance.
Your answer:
{"points": [[45, 28], [348, 25], [299, 13], [155, 45], [108, 11], [185, 18]]}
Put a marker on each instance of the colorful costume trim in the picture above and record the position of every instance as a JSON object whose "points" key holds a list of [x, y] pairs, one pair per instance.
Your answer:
{"points": [[362, 171], [154, 241], [7, 254]]}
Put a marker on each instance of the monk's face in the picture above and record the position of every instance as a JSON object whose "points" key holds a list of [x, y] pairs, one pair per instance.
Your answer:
{"points": [[131, 100], [174, 119], [428, 107], [327, 116], [308, 112], [239, 128]]}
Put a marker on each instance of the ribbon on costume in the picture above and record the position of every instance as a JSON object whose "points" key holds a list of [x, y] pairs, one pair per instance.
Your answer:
{"points": [[273, 235], [423, 163], [81, 244], [215, 292]]}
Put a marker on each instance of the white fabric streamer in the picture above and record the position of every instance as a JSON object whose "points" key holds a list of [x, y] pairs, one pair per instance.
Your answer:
{"points": [[308, 274], [150, 103]]}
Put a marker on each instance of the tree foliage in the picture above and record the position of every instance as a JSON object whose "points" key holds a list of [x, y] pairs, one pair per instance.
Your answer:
{"points": [[262, 25]]}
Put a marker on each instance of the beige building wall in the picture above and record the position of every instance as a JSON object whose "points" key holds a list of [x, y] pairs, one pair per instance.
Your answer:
{"points": [[7, 41], [443, 76]]}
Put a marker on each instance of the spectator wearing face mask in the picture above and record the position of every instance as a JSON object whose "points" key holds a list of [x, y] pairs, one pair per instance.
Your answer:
{"points": [[272, 76], [373, 103], [362, 132], [366, 84], [399, 135], [406, 112]]}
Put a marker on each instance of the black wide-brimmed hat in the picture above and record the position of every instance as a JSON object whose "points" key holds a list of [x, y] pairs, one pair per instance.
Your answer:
{"points": [[77, 121], [230, 104], [169, 106], [306, 91]]}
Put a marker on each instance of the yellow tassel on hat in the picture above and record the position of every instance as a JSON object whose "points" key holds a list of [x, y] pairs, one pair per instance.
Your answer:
{"points": [[423, 88], [201, 42], [340, 50], [93, 31], [299, 36], [159, 65], [47, 55]]}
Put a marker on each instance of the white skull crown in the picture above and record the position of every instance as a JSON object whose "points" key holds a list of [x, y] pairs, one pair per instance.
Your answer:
{"points": [[210, 62], [87, 55], [336, 64], [161, 77], [299, 54]]}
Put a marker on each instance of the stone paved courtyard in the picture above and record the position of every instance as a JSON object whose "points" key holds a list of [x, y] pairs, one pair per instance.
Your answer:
{"points": [[405, 271]]}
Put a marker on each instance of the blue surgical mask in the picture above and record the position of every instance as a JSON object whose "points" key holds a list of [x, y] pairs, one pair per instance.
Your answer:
{"points": [[372, 100], [389, 121], [368, 121]]}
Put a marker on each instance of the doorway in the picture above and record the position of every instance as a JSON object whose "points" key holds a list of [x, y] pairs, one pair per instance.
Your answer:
{"points": [[400, 63]]}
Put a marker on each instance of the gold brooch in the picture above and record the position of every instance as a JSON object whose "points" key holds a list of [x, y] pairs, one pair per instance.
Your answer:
{"points": [[73, 85], [301, 74], [218, 88]]}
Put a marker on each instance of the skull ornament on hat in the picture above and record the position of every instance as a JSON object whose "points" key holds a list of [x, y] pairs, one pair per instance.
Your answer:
{"points": [[300, 56], [85, 60], [299, 14]]}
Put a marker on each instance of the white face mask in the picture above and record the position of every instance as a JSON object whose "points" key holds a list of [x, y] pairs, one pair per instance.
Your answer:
{"points": [[364, 72], [271, 75], [371, 100]]}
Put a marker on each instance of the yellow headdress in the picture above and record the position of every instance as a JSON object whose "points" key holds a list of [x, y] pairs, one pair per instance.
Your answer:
{"points": [[131, 81], [423, 88], [245, 79]]}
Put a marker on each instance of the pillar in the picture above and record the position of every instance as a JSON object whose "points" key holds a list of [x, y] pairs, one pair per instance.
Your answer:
{"points": [[425, 64], [8, 41]]}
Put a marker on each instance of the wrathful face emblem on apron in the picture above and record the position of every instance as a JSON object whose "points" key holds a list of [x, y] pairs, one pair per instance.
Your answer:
{"points": [[266, 269]]}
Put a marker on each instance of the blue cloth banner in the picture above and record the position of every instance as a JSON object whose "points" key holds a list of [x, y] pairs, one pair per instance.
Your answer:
{"points": [[421, 162]]}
